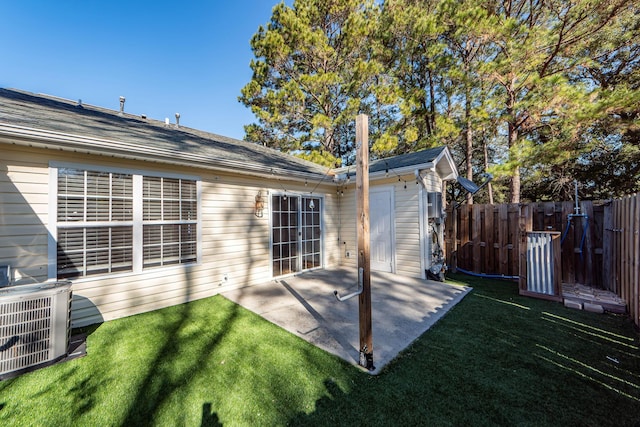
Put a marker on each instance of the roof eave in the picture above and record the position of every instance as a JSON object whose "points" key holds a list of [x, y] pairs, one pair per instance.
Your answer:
{"points": [[31, 137], [406, 170]]}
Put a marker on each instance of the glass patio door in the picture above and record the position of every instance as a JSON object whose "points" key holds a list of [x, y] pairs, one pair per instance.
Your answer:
{"points": [[311, 232], [296, 233]]}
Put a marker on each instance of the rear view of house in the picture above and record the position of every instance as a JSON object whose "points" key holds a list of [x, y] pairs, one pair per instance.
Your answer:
{"points": [[141, 214]]}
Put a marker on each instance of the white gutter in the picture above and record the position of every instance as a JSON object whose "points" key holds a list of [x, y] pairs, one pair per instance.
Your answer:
{"points": [[407, 170], [30, 137]]}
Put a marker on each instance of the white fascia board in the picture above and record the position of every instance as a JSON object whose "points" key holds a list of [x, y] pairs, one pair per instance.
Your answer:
{"points": [[407, 170], [30, 137]]}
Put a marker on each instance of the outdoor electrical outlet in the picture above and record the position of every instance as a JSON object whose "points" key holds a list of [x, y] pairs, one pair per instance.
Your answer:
{"points": [[225, 279], [348, 254]]}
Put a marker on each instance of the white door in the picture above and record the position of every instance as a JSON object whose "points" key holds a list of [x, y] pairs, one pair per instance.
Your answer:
{"points": [[380, 224]]}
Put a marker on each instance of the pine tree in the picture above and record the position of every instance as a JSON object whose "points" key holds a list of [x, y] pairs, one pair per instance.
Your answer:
{"points": [[314, 71], [538, 45]]}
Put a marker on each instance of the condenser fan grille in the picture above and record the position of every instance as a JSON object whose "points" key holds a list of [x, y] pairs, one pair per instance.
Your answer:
{"points": [[25, 332], [34, 326]]}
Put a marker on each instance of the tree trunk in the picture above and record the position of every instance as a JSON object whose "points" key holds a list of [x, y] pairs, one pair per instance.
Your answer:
{"points": [[514, 187], [469, 154], [486, 166], [432, 107]]}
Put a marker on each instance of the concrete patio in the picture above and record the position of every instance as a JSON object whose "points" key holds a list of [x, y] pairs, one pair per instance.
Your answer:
{"points": [[403, 308]]}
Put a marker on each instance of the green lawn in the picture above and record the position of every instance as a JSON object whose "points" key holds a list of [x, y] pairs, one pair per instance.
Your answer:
{"points": [[495, 359]]}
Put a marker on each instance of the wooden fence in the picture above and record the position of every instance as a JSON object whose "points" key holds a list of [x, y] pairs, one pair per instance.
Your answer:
{"points": [[621, 264], [599, 242]]}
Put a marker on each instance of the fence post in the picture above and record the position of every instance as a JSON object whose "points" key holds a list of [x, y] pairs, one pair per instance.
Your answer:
{"points": [[607, 245], [463, 249], [636, 261], [568, 245], [503, 238], [588, 252], [476, 225], [489, 239], [454, 239], [525, 224]]}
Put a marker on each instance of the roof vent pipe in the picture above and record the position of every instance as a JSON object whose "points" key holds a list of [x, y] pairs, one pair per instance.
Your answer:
{"points": [[178, 120], [166, 121], [122, 99]]}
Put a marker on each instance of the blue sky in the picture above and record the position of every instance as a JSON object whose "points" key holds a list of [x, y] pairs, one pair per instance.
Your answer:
{"points": [[190, 57]]}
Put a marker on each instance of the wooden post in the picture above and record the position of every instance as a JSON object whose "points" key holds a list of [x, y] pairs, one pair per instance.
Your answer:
{"points": [[525, 224], [454, 239], [635, 309], [362, 196], [607, 248]]}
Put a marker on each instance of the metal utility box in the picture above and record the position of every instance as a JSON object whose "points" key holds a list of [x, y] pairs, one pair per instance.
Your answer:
{"points": [[434, 205]]}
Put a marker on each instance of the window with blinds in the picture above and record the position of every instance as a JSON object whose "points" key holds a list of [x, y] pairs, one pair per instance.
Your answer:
{"points": [[170, 219], [97, 219], [95, 228]]}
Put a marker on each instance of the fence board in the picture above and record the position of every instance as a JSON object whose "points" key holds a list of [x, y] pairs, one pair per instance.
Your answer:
{"points": [[617, 254], [635, 302], [624, 206], [488, 239], [525, 224], [549, 217], [463, 250], [607, 249], [503, 233], [596, 235], [601, 250], [514, 240], [476, 229], [568, 245]]}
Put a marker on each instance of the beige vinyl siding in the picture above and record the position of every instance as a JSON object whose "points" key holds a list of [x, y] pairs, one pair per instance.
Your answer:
{"points": [[407, 227], [433, 182], [330, 229], [406, 222], [23, 215], [348, 229], [234, 241]]}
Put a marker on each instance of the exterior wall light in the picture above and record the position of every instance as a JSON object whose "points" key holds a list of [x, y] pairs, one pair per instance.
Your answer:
{"points": [[259, 205]]}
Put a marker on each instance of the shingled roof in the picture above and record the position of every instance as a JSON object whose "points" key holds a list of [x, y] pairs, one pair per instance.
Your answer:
{"points": [[47, 121], [437, 158], [50, 122], [406, 160]]}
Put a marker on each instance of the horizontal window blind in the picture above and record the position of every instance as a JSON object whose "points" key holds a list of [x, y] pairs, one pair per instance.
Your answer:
{"points": [[94, 250], [96, 222], [170, 216]]}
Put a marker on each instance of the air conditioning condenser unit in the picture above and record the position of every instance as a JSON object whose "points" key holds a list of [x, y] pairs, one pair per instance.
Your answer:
{"points": [[34, 326]]}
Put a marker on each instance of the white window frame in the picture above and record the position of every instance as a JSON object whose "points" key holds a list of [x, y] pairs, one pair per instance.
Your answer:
{"points": [[137, 223]]}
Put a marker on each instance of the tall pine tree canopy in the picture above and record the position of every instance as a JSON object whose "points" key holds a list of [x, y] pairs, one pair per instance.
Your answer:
{"points": [[538, 93], [315, 70]]}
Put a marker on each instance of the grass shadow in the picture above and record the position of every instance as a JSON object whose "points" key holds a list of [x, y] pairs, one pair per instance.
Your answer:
{"points": [[498, 359]]}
